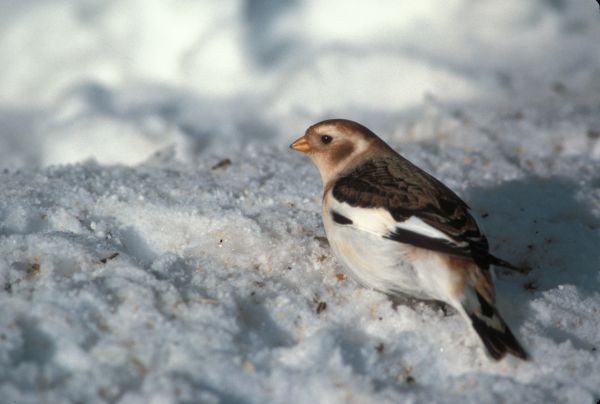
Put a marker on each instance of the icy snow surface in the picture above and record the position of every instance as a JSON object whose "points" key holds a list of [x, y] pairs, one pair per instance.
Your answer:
{"points": [[159, 242]]}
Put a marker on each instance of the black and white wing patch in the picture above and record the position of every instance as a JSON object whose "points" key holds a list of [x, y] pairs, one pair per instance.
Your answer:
{"points": [[421, 237], [393, 198], [413, 230]]}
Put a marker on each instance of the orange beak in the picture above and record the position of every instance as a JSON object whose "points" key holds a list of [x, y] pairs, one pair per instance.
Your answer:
{"points": [[301, 145]]}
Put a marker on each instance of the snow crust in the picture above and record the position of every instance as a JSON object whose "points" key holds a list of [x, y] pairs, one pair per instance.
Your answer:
{"points": [[159, 243]]}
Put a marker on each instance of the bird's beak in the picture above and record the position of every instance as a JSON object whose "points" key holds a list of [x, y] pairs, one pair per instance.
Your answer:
{"points": [[301, 145]]}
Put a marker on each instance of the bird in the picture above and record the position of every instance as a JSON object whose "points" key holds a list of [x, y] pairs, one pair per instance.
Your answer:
{"points": [[397, 229]]}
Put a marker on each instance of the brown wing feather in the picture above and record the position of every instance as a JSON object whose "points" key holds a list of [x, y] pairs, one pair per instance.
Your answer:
{"points": [[405, 190]]}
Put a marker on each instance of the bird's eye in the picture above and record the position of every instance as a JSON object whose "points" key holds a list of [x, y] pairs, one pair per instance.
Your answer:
{"points": [[326, 139]]}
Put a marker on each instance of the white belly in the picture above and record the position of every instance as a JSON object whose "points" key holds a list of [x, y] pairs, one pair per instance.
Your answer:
{"points": [[374, 261]]}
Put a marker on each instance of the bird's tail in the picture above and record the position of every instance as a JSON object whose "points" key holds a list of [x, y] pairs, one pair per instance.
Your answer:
{"points": [[491, 328], [505, 264]]}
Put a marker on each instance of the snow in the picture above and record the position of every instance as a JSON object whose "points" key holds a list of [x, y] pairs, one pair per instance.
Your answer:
{"points": [[159, 242]]}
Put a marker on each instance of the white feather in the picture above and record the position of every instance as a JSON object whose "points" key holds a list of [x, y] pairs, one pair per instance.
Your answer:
{"points": [[377, 221], [416, 225]]}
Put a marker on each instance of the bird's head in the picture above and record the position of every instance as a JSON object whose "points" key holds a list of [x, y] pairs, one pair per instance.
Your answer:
{"points": [[336, 145]]}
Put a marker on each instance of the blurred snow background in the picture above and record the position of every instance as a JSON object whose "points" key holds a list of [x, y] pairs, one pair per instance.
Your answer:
{"points": [[159, 242]]}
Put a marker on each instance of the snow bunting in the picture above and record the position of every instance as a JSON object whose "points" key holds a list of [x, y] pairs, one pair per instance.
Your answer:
{"points": [[397, 229]]}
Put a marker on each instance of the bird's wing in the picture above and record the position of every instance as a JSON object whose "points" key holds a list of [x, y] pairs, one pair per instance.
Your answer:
{"points": [[394, 198]]}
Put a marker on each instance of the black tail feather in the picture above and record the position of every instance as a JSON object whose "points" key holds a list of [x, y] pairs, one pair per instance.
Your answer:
{"points": [[498, 343], [497, 340], [505, 264]]}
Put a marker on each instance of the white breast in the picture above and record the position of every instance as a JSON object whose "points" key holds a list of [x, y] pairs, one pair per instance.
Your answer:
{"points": [[371, 259]]}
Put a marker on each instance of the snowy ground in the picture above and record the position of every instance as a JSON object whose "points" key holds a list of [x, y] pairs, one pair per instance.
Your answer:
{"points": [[160, 243]]}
